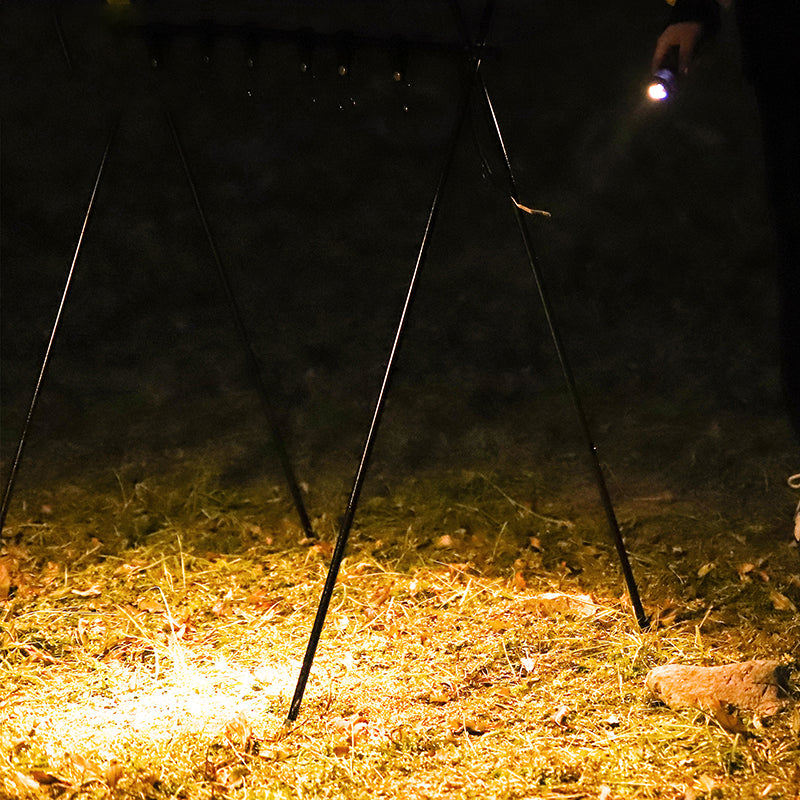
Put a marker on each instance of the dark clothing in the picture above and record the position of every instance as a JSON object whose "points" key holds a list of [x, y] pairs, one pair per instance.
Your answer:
{"points": [[770, 35]]}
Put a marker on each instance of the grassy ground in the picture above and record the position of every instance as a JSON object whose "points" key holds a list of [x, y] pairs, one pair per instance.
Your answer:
{"points": [[153, 630]]}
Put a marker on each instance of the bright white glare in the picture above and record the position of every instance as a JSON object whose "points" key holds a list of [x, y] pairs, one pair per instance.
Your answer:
{"points": [[185, 699], [657, 91]]}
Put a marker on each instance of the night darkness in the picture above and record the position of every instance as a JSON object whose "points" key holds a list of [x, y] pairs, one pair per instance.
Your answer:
{"points": [[316, 190]]}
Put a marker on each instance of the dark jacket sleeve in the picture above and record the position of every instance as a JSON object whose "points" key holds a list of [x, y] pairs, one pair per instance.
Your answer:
{"points": [[704, 11]]}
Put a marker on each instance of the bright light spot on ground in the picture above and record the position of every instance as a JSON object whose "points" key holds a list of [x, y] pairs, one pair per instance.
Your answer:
{"points": [[183, 699]]}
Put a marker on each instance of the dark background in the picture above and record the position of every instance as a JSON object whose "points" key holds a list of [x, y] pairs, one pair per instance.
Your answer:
{"points": [[658, 254]]}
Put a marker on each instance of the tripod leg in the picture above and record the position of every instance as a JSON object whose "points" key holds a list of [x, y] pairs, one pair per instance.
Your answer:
{"points": [[347, 521], [252, 361], [46, 361], [602, 487]]}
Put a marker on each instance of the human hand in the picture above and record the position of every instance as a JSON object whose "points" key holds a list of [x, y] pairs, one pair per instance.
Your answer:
{"points": [[684, 36]]}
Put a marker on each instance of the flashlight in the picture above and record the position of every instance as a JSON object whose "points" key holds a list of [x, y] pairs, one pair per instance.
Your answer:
{"points": [[663, 85], [664, 81]]}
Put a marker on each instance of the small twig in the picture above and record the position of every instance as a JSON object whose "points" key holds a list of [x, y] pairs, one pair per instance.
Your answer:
{"points": [[564, 523]]}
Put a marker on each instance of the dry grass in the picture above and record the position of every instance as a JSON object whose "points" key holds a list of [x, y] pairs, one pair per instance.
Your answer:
{"points": [[162, 667]]}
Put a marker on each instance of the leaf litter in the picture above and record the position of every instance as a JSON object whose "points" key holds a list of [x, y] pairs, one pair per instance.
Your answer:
{"points": [[498, 662]]}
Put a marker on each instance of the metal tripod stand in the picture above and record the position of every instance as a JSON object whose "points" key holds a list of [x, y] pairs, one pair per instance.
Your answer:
{"points": [[472, 80], [253, 367]]}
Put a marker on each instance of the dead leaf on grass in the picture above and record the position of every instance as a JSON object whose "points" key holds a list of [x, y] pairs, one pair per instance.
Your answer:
{"points": [[5, 581], [150, 605], [239, 732], [560, 717], [528, 664], [474, 726], [322, 550], [444, 542], [706, 784], [23, 783], [780, 602], [727, 719], [548, 603], [80, 632], [86, 770], [49, 779], [354, 727], [439, 696], [706, 568], [92, 591], [348, 731], [113, 772]]}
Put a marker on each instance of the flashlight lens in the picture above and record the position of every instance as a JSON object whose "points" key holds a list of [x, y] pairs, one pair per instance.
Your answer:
{"points": [[657, 92]]}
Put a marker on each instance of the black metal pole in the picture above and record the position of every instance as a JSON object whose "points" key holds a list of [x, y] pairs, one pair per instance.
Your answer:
{"points": [[252, 361], [61, 40], [46, 361], [533, 261], [349, 515]]}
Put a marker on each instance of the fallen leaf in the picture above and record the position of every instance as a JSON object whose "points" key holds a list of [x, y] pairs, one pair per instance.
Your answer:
{"points": [[235, 778], [355, 727], [706, 568], [578, 605], [520, 584], [5, 581], [34, 654], [560, 717], [24, 783], [239, 731], [726, 719], [528, 664], [80, 632], [439, 697], [92, 591], [113, 772], [706, 783], [150, 605], [780, 602], [744, 571], [381, 595], [474, 726], [319, 550], [85, 769], [49, 779], [665, 616], [444, 542]]}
